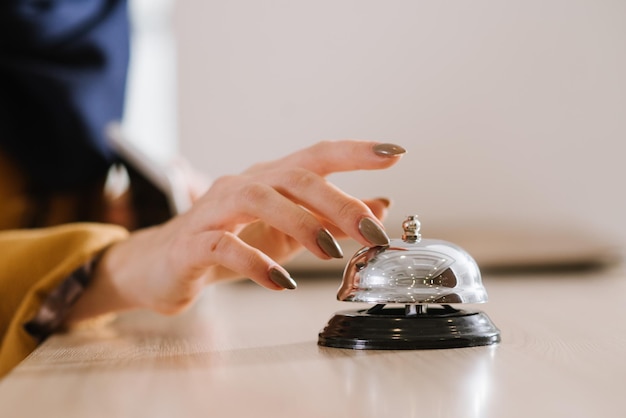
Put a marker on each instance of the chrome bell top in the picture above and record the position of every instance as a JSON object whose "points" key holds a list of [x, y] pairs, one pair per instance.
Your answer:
{"points": [[412, 270]]}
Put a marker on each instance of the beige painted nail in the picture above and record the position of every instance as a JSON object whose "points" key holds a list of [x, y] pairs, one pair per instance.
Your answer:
{"points": [[388, 150], [373, 232], [281, 279], [385, 201], [328, 244]]}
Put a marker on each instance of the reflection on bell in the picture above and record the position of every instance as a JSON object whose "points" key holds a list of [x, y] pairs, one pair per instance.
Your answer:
{"points": [[416, 273]]}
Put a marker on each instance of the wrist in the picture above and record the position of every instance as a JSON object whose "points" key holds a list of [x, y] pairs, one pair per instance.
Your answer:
{"points": [[103, 295]]}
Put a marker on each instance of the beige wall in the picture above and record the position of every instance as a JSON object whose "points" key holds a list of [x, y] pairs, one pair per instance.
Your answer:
{"points": [[513, 112]]}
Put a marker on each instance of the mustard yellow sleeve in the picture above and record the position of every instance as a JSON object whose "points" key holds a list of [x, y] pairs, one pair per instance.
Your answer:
{"points": [[32, 264]]}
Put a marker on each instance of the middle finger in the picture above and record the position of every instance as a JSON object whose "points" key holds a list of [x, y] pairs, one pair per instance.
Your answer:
{"points": [[323, 198]]}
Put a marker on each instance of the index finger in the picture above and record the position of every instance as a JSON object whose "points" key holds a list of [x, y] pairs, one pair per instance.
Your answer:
{"points": [[327, 157]]}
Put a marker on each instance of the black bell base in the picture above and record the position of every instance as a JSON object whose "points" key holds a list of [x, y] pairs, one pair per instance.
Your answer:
{"points": [[392, 329]]}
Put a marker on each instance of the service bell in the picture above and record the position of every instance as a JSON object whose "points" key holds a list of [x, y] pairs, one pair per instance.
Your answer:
{"points": [[412, 270], [426, 276]]}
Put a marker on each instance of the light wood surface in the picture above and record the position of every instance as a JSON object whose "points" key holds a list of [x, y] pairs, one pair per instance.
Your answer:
{"points": [[245, 351]]}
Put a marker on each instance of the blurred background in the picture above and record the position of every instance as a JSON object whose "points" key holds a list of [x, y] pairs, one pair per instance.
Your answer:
{"points": [[513, 113]]}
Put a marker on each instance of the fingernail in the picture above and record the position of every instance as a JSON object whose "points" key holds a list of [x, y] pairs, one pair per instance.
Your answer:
{"points": [[373, 232], [328, 244], [385, 201], [388, 150], [281, 279]]}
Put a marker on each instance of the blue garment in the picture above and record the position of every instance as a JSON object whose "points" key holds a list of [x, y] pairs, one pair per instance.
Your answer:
{"points": [[63, 67]]}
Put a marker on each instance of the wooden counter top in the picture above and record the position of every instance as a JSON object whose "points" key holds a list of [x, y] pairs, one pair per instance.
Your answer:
{"points": [[246, 351]]}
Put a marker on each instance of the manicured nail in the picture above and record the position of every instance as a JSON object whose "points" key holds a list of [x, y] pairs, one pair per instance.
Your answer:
{"points": [[373, 232], [385, 201], [282, 279], [388, 150], [328, 244]]}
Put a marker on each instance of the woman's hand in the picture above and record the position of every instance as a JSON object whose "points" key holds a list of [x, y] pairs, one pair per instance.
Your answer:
{"points": [[244, 226]]}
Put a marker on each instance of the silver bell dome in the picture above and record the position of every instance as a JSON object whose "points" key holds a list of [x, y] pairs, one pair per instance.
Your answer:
{"points": [[412, 270]]}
